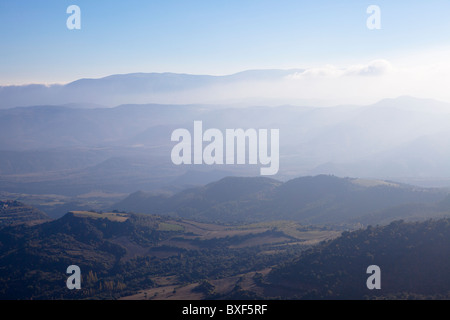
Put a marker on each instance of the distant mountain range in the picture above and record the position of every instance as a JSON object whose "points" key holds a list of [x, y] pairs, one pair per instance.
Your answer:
{"points": [[130, 88], [308, 200], [73, 150]]}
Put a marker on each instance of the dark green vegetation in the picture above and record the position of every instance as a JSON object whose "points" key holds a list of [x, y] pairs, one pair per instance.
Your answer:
{"points": [[121, 253], [414, 259], [309, 200]]}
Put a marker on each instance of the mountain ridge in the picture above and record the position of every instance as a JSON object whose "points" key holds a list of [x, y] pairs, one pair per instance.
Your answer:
{"points": [[322, 199], [130, 87]]}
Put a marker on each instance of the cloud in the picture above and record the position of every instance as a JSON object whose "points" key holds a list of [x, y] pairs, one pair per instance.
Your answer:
{"points": [[325, 71], [374, 68]]}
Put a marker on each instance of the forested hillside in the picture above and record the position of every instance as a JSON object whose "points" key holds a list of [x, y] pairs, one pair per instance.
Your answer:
{"points": [[414, 259]]}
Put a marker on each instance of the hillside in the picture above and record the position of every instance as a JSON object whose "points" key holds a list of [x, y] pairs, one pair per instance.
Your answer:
{"points": [[139, 256], [309, 200], [121, 253], [14, 213], [414, 259]]}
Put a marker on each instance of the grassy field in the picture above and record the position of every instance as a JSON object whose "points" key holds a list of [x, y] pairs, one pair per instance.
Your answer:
{"points": [[292, 229], [373, 183], [163, 226], [112, 216]]}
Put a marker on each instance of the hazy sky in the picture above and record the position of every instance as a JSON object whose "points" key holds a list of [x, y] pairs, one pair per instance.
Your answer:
{"points": [[220, 37]]}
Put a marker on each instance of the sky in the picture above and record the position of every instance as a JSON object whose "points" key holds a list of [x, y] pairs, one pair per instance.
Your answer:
{"points": [[221, 37]]}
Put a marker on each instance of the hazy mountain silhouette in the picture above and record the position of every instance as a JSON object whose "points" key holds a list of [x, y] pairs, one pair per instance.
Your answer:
{"points": [[309, 200], [126, 88], [403, 139]]}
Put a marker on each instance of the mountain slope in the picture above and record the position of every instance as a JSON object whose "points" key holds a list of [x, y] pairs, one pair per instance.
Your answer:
{"points": [[121, 253], [313, 200], [15, 213], [414, 260]]}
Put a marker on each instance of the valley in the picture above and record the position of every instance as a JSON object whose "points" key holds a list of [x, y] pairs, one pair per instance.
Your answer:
{"points": [[184, 253], [128, 252]]}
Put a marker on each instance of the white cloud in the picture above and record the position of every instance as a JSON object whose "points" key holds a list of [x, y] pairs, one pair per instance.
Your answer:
{"points": [[325, 71], [374, 68]]}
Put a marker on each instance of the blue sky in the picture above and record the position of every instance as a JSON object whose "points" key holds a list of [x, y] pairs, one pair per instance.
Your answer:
{"points": [[207, 37]]}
